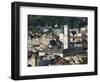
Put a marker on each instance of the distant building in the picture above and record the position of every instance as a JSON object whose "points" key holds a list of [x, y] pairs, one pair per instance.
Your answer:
{"points": [[45, 30], [45, 40], [57, 31], [61, 37], [29, 42], [65, 36], [35, 41], [32, 61], [83, 29]]}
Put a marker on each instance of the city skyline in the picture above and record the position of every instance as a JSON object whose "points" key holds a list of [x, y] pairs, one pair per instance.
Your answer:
{"points": [[52, 40]]}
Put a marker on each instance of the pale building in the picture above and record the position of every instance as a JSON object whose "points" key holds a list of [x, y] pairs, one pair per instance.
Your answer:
{"points": [[29, 43], [71, 35], [71, 39], [35, 41], [57, 31], [45, 41], [32, 61], [65, 30], [61, 37], [65, 36], [83, 29], [45, 30], [80, 36], [65, 42]]}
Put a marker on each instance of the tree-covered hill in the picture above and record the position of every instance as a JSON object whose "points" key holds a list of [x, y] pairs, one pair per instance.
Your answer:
{"points": [[50, 21]]}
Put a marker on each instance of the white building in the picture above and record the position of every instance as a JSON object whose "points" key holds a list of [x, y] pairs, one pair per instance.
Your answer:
{"points": [[61, 37], [65, 36]]}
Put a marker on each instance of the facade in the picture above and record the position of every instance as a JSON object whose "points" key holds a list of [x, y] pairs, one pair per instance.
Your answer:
{"points": [[65, 36]]}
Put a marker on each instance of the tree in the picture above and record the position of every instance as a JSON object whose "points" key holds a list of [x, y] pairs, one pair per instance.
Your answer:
{"points": [[60, 21], [73, 32]]}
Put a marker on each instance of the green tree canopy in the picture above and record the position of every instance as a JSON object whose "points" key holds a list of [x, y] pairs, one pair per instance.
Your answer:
{"points": [[72, 22]]}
